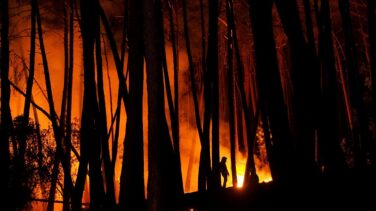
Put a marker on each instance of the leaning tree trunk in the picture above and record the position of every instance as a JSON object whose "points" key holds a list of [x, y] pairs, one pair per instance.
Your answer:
{"points": [[132, 172], [109, 177], [175, 119], [360, 129], [54, 119], [163, 186]]}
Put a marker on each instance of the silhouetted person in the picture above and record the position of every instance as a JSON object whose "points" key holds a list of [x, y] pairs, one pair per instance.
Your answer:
{"points": [[224, 171]]}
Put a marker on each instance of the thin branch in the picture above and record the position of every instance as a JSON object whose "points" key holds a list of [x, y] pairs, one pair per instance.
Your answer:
{"points": [[32, 101]]}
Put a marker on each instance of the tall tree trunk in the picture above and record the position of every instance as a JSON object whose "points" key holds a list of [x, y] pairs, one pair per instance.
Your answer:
{"points": [[309, 25], [117, 130], [173, 117], [372, 42], [306, 85], [132, 172], [109, 177], [6, 117], [118, 61], [359, 128], [19, 166], [332, 157], [54, 178], [175, 120], [204, 165], [55, 125], [249, 115], [29, 88], [163, 186], [271, 95], [63, 119], [90, 118], [69, 94], [230, 90], [213, 74]]}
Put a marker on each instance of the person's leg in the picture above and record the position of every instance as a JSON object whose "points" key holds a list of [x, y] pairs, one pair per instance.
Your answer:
{"points": [[224, 182]]}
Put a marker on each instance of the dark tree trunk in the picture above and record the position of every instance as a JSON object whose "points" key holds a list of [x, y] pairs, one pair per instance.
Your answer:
{"points": [[118, 61], [132, 173], [19, 166], [332, 157], [109, 177], [204, 165], [69, 93], [306, 85], [361, 136], [175, 120], [54, 178], [213, 74], [270, 91], [63, 117], [163, 185], [54, 120], [29, 88], [230, 90], [249, 115], [309, 25], [6, 117], [117, 130], [173, 117], [90, 117], [372, 43]]}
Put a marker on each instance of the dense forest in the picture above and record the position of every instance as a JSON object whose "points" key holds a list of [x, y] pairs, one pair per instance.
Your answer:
{"points": [[137, 104]]}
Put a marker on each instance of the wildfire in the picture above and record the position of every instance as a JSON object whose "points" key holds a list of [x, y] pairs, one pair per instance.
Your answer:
{"points": [[240, 181], [263, 173]]}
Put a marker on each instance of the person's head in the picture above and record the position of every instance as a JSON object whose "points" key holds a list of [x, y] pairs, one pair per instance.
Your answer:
{"points": [[223, 160]]}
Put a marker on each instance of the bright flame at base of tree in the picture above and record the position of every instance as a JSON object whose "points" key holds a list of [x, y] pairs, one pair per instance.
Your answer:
{"points": [[263, 173], [240, 181]]}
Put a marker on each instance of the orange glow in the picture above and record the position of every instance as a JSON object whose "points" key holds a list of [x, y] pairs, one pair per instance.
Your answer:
{"points": [[190, 144], [240, 181]]}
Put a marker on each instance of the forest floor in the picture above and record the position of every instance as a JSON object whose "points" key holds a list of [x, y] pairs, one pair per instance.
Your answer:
{"points": [[351, 191]]}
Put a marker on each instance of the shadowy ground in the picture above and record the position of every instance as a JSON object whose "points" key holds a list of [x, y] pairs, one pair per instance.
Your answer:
{"points": [[350, 191]]}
